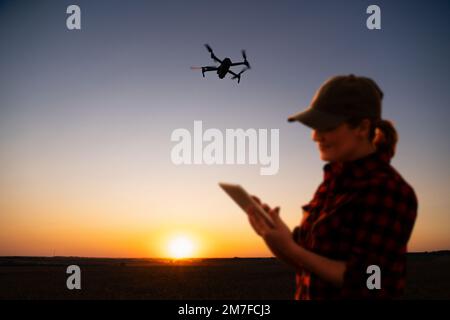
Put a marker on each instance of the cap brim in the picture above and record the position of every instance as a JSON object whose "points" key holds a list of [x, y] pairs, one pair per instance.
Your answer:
{"points": [[318, 120]]}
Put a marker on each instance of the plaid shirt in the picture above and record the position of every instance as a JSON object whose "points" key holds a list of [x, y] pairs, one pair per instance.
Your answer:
{"points": [[362, 213]]}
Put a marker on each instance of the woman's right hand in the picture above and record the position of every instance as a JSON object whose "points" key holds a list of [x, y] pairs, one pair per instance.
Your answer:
{"points": [[278, 237], [250, 212]]}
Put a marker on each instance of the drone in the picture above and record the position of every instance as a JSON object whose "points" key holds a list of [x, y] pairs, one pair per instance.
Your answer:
{"points": [[224, 66]]}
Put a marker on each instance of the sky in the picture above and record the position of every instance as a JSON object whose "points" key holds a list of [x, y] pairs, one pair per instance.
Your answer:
{"points": [[86, 117]]}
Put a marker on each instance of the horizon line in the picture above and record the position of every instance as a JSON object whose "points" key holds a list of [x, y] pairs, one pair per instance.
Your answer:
{"points": [[193, 258]]}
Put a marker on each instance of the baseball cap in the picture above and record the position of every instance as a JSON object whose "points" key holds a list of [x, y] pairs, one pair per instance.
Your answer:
{"points": [[341, 98]]}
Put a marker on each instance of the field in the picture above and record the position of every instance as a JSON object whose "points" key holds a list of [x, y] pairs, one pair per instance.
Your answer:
{"points": [[238, 278]]}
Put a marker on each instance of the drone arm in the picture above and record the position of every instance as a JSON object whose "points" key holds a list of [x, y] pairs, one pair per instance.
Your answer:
{"points": [[208, 68], [238, 64], [213, 56], [234, 74]]}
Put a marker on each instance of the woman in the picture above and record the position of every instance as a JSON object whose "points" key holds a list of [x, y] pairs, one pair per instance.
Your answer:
{"points": [[363, 212]]}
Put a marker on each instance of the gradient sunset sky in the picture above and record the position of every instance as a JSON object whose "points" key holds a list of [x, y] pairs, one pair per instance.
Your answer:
{"points": [[86, 117]]}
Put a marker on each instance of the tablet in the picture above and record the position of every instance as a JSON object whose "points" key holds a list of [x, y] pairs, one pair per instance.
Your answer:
{"points": [[244, 200]]}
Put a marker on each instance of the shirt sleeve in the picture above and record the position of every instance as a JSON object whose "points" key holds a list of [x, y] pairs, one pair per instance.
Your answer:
{"points": [[383, 226]]}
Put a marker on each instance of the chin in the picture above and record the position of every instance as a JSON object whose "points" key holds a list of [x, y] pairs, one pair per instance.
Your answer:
{"points": [[326, 157]]}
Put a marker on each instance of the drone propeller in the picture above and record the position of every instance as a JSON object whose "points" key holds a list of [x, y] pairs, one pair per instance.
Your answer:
{"points": [[243, 70], [244, 55], [208, 48], [238, 76], [196, 68]]}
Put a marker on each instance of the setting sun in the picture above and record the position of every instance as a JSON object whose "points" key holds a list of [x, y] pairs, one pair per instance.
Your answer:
{"points": [[181, 247]]}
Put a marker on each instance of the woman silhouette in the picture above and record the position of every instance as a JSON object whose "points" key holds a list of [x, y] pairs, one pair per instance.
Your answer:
{"points": [[361, 217]]}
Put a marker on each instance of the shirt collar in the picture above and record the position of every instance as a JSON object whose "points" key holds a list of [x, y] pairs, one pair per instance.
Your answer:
{"points": [[357, 168]]}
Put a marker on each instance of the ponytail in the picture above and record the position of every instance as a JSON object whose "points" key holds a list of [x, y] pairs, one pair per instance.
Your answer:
{"points": [[382, 133], [385, 136]]}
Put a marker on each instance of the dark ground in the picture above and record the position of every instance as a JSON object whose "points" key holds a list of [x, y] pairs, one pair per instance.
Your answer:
{"points": [[238, 278]]}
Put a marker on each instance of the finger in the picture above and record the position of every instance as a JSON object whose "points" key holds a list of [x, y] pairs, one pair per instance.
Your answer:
{"points": [[259, 222], [254, 224], [256, 199], [256, 219], [275, 214], [263, 220], [266, 207]]}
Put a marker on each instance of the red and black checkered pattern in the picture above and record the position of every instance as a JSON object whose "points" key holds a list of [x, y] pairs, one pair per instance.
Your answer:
{"points": [[362, 213]]}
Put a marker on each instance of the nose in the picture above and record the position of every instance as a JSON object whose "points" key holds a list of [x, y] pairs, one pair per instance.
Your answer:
{"points": [[316, 136]]}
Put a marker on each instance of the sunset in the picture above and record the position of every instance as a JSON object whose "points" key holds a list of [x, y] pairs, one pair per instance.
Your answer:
{"points": [[119, 120], [181, 247]]}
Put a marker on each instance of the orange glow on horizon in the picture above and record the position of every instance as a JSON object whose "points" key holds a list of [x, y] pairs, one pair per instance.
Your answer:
{"points": [[181, 247]]}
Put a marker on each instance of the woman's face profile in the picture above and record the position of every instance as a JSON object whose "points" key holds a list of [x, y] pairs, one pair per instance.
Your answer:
{"points": [[342, 143]]}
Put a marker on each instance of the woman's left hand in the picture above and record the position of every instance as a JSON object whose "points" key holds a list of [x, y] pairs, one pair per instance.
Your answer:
{"points": [[279, 237]]}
